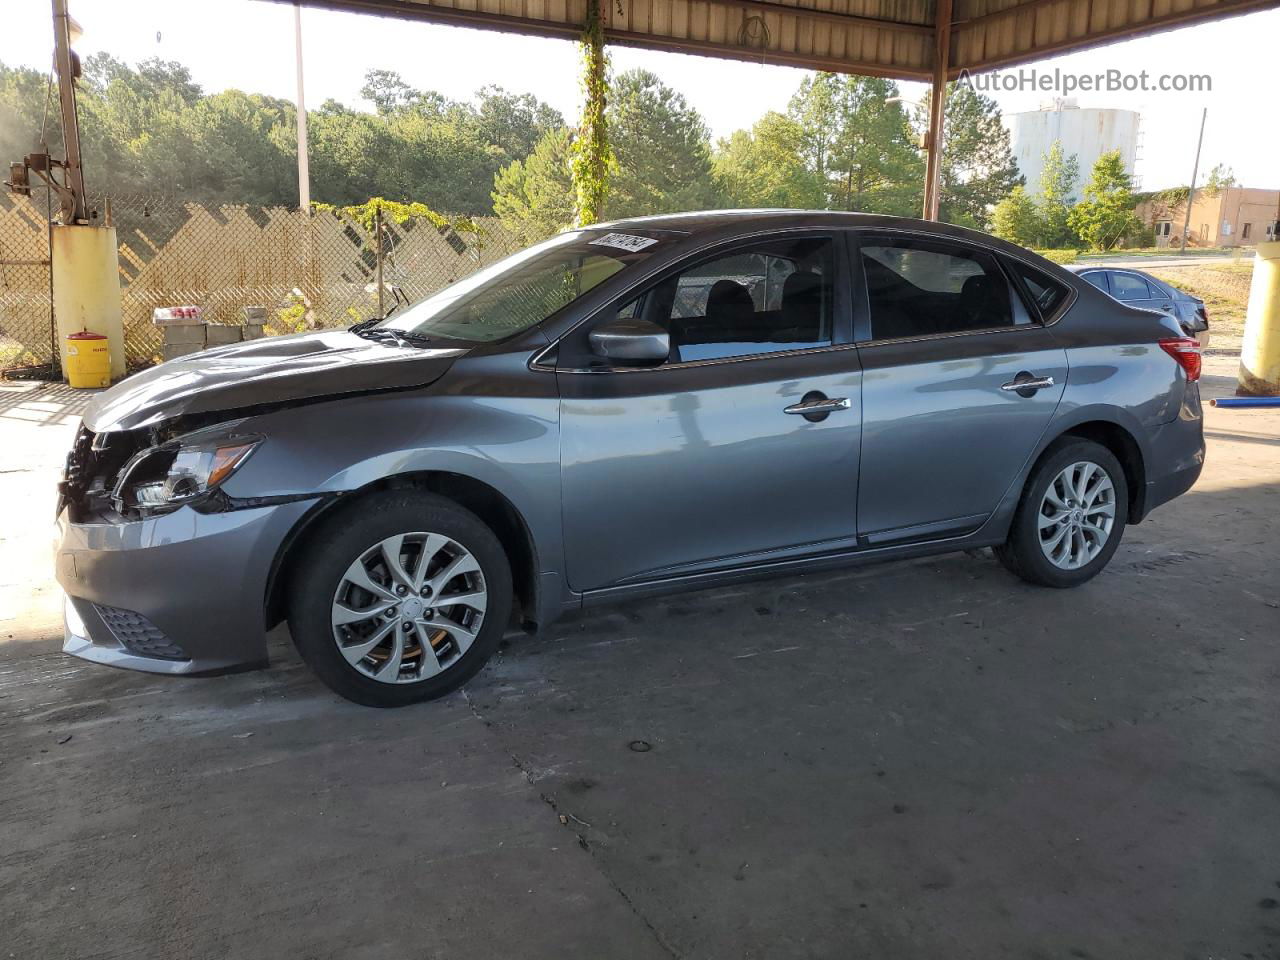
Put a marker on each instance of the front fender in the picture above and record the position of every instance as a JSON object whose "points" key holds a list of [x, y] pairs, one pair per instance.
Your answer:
{"points": [[510, 443]]}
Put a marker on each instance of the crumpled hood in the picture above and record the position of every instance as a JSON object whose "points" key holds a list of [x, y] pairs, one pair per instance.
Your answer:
{"points": [[275, 370]]}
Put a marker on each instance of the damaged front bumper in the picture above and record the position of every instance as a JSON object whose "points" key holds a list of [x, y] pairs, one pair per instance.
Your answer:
{"points": [[181, 593]]}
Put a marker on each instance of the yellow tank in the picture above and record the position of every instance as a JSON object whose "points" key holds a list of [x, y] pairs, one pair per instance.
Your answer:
{"points": [[88, 360]]}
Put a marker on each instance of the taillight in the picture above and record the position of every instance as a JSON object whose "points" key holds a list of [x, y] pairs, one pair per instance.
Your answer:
{"points": [[1185, 350]]}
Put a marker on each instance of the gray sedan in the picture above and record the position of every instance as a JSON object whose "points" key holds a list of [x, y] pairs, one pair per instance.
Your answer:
{"points": [[624, 410], [1140, 289]]}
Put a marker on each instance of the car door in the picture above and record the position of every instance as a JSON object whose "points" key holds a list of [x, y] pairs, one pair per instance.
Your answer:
{"points": [[960, 380], [1134, 290], [707, 460]]}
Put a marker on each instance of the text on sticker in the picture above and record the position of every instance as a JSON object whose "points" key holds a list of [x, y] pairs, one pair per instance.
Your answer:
{"points": [[624, 241]]}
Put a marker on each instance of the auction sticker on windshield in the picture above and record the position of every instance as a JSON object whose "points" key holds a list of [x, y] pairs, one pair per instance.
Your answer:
{"points": [[623, 241]]}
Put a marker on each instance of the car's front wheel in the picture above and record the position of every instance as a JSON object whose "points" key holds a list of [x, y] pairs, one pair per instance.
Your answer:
{"points": [[1071, 516], [403, 596]]}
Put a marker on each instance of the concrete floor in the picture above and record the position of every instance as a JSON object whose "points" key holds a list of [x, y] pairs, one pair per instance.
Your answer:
{"points": [[924, 759]]}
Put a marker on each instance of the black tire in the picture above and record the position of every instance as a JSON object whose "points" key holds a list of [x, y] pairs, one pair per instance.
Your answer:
{"points": [[348, 534], [1022, 555]]}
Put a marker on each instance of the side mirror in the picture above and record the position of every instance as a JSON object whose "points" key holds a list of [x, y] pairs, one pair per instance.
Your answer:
{"points": [[630, 341]]}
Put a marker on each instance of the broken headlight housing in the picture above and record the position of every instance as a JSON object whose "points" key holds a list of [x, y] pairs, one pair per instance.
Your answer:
{"points": [[183, 471]]}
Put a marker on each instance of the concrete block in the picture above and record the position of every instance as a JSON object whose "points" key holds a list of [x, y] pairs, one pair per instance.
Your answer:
{"points": [[175, 350], [217, 334], [252, 331], [256, 315], [186, 333]]}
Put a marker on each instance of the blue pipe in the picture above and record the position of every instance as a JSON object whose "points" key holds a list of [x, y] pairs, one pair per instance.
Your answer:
{"points": [[1246, 402]]}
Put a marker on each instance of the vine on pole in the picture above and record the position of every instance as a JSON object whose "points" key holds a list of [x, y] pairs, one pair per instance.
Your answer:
{"points": [[592, 156]]}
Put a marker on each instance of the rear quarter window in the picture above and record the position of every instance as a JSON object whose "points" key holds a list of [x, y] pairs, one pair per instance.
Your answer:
{"points": [[1046, 293]]}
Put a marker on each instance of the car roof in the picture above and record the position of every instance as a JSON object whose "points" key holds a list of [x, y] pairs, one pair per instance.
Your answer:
{"points": [[1164, 285], [709, 222]]}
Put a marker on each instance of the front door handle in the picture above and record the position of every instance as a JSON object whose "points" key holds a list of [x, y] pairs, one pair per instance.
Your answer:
{"points": [[1024, 384], [818, 405]]}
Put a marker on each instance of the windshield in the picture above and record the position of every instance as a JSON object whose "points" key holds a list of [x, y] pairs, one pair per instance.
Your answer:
{"points": [[522, 290]]}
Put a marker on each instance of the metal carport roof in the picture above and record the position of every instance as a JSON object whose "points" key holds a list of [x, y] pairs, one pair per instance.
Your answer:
{"points": [[891, 38], [929, 40]]}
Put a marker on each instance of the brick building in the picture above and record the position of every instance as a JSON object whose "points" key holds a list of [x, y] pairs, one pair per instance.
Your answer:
{"points": [[1231, 217]]}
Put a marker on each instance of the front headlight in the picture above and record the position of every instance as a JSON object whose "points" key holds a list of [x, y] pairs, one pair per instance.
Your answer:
{"points": [[168, 476]]}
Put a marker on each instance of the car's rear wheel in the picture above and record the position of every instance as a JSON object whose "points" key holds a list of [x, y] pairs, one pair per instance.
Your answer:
{"points": [[1071, 516], [402, 598]]}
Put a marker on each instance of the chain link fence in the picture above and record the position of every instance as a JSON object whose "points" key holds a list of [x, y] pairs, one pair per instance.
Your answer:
{"points": [[310, 271], [26, 311]]}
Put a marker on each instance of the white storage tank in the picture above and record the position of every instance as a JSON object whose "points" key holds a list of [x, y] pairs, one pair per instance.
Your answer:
{"points": [[1087, 133]]}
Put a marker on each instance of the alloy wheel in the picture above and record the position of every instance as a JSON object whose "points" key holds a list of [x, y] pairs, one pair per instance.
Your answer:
{"points": [[409, 607], [1077, 515]]}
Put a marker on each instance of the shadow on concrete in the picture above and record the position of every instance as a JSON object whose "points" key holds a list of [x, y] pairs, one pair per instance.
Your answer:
{"points": [[43, 403], [915, 760]]}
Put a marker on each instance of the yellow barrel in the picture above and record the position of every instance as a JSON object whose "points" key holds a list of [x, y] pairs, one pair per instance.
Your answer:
{"points": [[88, 360], [1260, 351]]}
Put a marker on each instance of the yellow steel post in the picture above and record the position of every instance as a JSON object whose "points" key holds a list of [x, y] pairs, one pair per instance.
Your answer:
{"points": [[86, 287], [1260, 352]]}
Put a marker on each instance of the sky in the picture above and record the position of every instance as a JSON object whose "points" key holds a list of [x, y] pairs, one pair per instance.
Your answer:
{"points": [[248, 44]]}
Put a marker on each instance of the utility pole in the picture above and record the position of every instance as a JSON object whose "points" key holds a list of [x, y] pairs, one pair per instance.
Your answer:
{"points": [[67, 67], [1191, 191], [304, 165]]}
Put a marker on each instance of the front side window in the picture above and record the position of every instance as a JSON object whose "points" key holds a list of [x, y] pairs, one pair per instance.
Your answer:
{"points": [[1125, 286], [522, 290], [919, 288], [772, 296]]}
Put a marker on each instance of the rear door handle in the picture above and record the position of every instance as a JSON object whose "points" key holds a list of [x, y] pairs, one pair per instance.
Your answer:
{"points": [[1028, 384], [807, 408]]}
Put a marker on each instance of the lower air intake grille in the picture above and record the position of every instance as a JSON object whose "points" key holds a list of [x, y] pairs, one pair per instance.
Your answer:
{"points": [[139, 635]]}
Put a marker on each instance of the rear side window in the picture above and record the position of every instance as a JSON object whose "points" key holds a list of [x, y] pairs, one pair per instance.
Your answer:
{"points": [[1125, 286], [1099, 279], [1046, 293], [922, 287]]}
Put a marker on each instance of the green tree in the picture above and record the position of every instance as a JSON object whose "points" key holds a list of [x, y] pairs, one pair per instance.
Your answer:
{"points": [[1057, 195], [22, 108], [350, 152], [978, 168], [814, 110], [513, 123], [1221, 177], [387, 91], [663, 149], [856, 139], [249, 148], [876, 165], [1016, 218], [1105, 215], [534, 197], [763, 167]]}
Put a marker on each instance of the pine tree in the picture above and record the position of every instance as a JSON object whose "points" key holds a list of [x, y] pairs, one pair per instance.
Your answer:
{"points": [[1105, 215]]}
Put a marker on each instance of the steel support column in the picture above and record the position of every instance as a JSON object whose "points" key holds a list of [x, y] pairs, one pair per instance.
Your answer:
{"points": [[937, 109], [73, 209]]}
